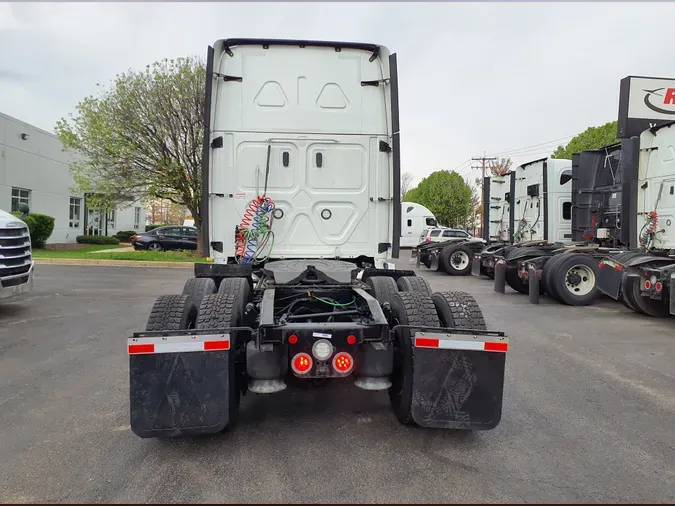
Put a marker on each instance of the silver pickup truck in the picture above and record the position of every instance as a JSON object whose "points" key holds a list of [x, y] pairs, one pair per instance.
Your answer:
{"points": [[16, 260]]}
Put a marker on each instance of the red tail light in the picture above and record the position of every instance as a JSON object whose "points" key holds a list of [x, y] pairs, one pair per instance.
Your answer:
{"points": [[302, 363], [648, 284], [292, 339], [351, 339], [658, 286], [343, 362]]}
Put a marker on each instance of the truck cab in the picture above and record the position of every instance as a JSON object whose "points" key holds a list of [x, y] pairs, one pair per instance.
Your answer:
{"points": [[416, 219], [542, 201], [16, 261]]}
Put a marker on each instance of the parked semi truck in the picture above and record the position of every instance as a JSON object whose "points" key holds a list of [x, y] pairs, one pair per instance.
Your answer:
{"points": [[588, 228], [302, 217], [643, 276], [16, 260]]}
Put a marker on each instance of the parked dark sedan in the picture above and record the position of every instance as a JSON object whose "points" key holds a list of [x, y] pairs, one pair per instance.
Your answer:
{"points": [[166, 238]]}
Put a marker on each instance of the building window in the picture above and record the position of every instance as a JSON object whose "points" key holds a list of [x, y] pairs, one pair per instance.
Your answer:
{"points": [[19, 196], [75, 210], [111, 219], [137, 217]]}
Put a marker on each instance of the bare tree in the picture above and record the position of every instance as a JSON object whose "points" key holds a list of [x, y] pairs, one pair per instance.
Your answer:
{"points": [[406, 182], [500, 167]]}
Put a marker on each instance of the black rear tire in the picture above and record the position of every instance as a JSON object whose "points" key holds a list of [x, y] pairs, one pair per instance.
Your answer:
{"points": [[573, 295], [172, 312], [408, 308], [239, 287], [548, 274], [650, 307], [413, 284], [221, 311], [456, 260], [197, 288], [627, 297], [458, 310], [383, 288], [511, 273]]}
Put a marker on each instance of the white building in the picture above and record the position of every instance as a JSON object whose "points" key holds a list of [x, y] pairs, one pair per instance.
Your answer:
{"points": [[34, 170]]}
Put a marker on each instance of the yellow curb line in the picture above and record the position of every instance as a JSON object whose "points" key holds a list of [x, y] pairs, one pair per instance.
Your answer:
{"points": [[113, 263]]}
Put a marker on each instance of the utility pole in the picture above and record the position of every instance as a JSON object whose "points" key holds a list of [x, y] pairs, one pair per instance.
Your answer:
{"points": [[483, 159]]}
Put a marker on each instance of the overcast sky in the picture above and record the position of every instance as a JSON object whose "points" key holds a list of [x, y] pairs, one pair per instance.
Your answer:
{"points": [[473, 77]]}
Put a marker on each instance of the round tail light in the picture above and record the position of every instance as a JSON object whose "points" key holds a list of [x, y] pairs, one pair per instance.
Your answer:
{"points": [[648, 284], [302, 363], [658, 286], [343, 362]]}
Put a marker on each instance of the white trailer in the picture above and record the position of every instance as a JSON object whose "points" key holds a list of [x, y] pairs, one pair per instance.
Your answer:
{"points": [[301, 210]]}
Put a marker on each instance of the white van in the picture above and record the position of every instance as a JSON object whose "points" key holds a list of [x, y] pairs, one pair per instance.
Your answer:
{"points": [[415, 218]]}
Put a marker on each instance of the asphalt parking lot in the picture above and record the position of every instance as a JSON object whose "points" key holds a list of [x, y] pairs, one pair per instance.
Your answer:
{"points": [[588, 412]]}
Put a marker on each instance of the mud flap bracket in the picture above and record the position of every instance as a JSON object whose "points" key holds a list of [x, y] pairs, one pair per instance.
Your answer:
{"points": [[458, 379], [476, 265]]}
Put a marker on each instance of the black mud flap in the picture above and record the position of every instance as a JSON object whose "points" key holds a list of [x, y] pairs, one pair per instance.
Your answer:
{"points": [[610, 275], [476, 265], [458, 380], [179, 384]]}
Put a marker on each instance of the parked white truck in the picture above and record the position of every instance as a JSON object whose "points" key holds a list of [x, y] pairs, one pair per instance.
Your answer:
{"points": [[16, 260], [302, 215]]}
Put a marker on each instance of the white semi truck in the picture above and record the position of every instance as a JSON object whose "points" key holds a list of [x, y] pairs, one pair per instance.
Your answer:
{"points": [[643, 276], [302, 215], [16, 260]]}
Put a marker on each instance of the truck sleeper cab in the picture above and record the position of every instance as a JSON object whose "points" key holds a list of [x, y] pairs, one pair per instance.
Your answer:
{"points": [[302, 211]]}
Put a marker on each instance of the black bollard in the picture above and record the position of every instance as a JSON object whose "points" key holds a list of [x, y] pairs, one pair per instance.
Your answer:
{"points": [[533, 279], [500, 276]]}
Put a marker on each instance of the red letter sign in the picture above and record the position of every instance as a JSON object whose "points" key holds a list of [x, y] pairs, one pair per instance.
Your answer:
{"points": [[670, 96]]}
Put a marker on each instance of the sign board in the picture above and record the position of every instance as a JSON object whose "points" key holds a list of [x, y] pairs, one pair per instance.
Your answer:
{"points": [[645, 102]]}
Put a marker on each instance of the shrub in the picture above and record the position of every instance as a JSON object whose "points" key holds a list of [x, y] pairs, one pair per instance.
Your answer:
{"points": [[97, 239], [125, 235], [41, 227], [148, 228]]}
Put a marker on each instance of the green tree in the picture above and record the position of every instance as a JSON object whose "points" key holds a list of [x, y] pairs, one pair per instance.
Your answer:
{"points": [[141, 138], [591, 138], [446, 195]]}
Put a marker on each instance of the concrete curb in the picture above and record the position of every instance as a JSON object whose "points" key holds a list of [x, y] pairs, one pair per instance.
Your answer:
{"points": [[113, 263]]}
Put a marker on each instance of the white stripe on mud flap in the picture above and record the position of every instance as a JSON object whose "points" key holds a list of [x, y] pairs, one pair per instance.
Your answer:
{"points": [[452, 344], [177, 344]]}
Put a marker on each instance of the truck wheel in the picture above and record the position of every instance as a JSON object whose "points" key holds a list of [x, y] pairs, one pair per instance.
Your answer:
{"points": [[574, 279], [221, 311], [650, 307], [456, 260], [458, 310], [549, 270], [627, 297], [408, 308], [413, 284], [238, 287], [511, 274], [384, 288], [172, 312], [197, 288]]}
